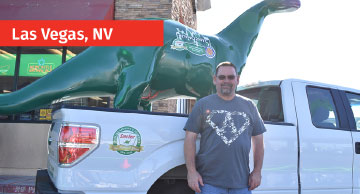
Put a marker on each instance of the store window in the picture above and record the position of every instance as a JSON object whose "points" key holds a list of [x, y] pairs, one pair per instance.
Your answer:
{"points": [[7, 68], [36, 62], [98, 101], [7, 71], [73, 51], [106, 102]]}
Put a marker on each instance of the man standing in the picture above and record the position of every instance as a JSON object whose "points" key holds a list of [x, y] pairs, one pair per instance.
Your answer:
{"points": [[227, 123]]}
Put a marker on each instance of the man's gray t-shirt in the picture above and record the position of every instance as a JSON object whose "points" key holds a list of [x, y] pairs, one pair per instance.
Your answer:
{"points": [[226, 128]]}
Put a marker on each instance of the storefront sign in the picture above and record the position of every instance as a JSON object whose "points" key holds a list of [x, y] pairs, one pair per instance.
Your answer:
{"points": [[38, 65], [31, 65], [7, 64], [45, 114]]}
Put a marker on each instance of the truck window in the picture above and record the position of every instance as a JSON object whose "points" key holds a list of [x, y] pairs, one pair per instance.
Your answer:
{"points": [[322, 108], [268, 101], [354, 100]]}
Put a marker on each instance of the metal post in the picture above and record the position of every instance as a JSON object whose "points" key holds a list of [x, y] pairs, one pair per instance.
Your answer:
{"points": [[17, 68], [16, 73], [64, 51]]}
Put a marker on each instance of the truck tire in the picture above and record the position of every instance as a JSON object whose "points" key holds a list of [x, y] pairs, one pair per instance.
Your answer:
{"points": [[170, 186]]}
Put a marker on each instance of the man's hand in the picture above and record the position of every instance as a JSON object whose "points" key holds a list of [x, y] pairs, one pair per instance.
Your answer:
{"points": [[254, 180], [258, 150], [194, 178]]}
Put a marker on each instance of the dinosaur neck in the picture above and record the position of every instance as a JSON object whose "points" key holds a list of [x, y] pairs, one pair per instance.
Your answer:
{"points": [[243, 31]]}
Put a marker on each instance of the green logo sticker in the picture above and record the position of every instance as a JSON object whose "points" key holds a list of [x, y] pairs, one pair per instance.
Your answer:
{"points": [[193, 42], [126, 141]]}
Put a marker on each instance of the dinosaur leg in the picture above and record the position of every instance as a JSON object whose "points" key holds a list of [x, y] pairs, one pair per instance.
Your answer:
{"points": [[129, 96], [138, 65], [145, 105]]}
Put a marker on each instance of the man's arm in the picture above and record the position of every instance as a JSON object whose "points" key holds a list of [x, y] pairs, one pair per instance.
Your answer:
{"points": [[258, 151], [194, 178]]}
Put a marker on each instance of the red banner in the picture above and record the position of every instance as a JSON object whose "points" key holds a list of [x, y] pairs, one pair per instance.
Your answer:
{"points": [[81, 33]]}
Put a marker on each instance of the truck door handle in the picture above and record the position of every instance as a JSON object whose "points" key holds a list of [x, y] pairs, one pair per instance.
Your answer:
{"points": [[357, 147]]}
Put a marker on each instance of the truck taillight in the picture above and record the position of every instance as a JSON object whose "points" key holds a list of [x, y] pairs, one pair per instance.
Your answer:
{"points": [[76, 134], [69, 155], [76, 142]]}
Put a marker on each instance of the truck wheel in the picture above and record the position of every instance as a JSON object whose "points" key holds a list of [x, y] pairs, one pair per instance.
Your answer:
{"points": [[170, 186]]}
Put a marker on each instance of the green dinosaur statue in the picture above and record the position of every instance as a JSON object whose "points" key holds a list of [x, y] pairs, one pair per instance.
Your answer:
{"points": [[184, 65]]}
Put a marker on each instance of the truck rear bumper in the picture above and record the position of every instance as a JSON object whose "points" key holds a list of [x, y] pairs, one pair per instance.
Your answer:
{"points": [[43, 184]]}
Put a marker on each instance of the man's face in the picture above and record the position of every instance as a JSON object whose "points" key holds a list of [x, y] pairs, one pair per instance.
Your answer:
{"points": [[226, 81]]}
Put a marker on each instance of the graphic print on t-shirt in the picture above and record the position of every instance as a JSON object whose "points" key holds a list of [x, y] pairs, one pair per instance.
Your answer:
{"points": [[228, 131]]}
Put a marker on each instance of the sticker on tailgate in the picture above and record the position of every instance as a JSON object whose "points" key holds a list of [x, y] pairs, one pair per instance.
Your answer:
{"points": [[126, 141]]}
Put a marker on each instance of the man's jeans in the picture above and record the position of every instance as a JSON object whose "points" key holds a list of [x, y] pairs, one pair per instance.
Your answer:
{"points": [[210, 189]]}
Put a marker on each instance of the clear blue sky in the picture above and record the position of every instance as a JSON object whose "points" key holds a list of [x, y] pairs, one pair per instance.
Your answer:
{"points": [[319, 42]]}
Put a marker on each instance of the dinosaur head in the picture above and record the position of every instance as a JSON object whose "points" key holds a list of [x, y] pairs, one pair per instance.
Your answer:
{"points": [[276, 6]]}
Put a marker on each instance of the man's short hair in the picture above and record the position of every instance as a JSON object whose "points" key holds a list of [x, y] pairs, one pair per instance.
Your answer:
{"points": [[223, 64]]}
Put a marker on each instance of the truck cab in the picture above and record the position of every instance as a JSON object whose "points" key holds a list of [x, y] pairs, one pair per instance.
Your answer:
{"points": [[312, 138]]}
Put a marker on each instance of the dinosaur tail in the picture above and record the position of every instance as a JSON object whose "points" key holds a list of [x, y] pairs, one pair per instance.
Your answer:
{"points": [[244, 30], [84, 75], [31, 97]]}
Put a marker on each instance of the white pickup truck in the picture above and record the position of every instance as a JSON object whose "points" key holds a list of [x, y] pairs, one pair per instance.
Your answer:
{"points": [[312, 145]]}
